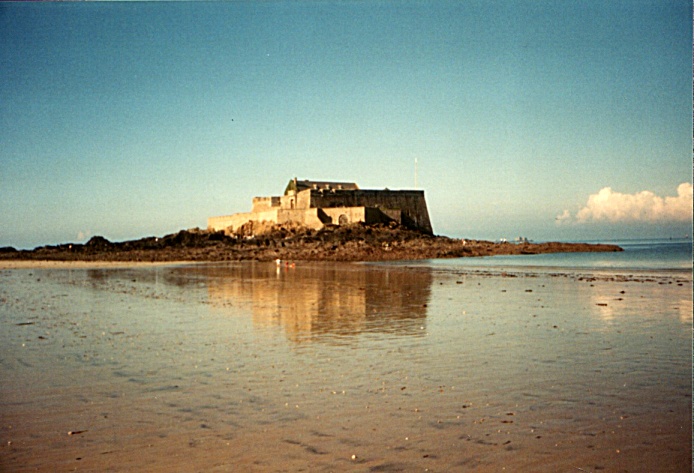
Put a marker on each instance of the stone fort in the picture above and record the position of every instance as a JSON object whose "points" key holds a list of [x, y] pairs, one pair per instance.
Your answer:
{"points": [[315, 204]]}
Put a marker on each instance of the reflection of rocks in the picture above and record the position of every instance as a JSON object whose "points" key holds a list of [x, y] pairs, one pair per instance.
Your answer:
{"points": [[686, 311], [325, 301]]}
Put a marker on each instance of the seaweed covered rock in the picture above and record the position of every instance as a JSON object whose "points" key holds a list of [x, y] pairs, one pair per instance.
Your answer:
{"points": [[98, 243], [263, 241]]}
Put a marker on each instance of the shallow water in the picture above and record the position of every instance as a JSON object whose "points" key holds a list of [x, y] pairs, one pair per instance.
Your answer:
{"points": [[344, 367], [639, 255]]}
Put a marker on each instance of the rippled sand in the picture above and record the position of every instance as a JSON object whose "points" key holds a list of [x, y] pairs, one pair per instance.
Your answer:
{"points": [[323, 367]]}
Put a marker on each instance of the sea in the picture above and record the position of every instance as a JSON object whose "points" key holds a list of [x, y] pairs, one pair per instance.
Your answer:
{"points": [[662, 255]]}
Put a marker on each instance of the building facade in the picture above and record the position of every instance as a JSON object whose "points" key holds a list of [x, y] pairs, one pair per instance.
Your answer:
{"points": [[315, 204]]}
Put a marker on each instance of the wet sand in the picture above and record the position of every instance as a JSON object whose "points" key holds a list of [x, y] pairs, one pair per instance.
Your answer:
{"points": [[342, 367], [76, 264]]}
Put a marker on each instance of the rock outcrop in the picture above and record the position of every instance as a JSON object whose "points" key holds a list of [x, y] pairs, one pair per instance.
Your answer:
{"points": [[356, 242]]}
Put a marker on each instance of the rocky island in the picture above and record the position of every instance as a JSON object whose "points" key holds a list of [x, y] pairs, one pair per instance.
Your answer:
{"points": [[268, 242], [310, 221]]}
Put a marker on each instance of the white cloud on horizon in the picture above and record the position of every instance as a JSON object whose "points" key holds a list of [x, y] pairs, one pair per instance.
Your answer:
{"points": [[83, 235], [645, 206]]}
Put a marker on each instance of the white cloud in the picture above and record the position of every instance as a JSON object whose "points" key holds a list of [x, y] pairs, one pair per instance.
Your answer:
{"points": [[610, 206], [83, 235], [565, 216]]}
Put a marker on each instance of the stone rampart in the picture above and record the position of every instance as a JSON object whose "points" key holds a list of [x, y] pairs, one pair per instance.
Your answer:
{"points": [[310, 218], [343, 215], [236, 220], [412, 204], [262, 204], [315, 208]]}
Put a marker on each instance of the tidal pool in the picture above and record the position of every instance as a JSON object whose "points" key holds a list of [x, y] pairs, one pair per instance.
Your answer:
{"points": [[343, 367]]}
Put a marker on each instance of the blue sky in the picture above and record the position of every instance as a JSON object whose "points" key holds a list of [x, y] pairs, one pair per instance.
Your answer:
{"points": [[551, 120]]}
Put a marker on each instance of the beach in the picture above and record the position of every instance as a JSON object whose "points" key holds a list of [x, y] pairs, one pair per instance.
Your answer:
{"points": [[254, 366], [77, 264]]}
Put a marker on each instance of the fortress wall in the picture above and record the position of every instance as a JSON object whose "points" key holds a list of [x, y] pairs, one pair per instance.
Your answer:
{"points": [[312, 218], [314, 209], [383, 215], [411, 203], [369, 215], [288, 202], [303, 199], [262, 204], [220, 223], [348, 214], [236, 220], [309, 218], [295, 201]]}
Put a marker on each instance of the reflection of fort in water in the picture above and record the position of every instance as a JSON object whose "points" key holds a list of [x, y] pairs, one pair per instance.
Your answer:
{"points": [[319, 300]]}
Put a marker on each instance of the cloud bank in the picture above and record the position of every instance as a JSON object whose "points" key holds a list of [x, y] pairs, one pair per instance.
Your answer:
{"points": [[615, 207]]}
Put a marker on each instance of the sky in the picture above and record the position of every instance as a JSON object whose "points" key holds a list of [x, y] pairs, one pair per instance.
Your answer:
{"points": [[551, 120]]}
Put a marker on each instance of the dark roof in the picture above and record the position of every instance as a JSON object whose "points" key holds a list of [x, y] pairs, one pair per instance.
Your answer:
{"points": [[298, 186]]}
